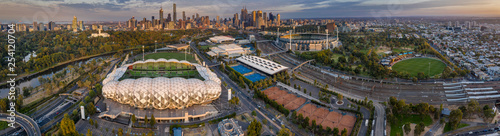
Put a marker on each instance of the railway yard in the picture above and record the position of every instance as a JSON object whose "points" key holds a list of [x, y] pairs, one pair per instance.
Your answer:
{"points": [[433, 93]]}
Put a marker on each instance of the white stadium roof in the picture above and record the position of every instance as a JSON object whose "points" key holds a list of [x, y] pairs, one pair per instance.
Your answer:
{"points": [[162, 92], [261, 64], [219, 39]]}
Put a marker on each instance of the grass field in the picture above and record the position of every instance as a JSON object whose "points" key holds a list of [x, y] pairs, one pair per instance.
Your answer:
{"points": [[416, 65], [447, 127], [415, 119], [171, 55], [3, 125]]}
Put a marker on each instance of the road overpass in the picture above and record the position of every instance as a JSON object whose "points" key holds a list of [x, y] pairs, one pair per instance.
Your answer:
{"points": [[28, 124]]}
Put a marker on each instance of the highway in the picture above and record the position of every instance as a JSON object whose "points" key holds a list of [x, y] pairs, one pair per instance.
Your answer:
{"points": [[28, 124]]}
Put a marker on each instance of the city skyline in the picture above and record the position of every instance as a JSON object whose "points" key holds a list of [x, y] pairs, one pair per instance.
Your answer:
{"points": [[100, 10]]}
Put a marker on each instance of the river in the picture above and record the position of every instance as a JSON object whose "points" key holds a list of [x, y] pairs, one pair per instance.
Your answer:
{"points": [[34, 82]]}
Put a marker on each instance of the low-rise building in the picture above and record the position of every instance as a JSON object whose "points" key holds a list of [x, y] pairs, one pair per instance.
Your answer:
{"points": [[229, 127], [221, 39], [228, 50]]}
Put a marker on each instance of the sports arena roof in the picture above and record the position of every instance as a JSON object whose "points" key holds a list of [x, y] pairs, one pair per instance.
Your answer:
{"points": [[162, 92], [220, 39], [261, 64]]}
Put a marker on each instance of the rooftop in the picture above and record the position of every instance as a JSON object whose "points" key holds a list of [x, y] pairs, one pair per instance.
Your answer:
{"points": [[266, 66]]}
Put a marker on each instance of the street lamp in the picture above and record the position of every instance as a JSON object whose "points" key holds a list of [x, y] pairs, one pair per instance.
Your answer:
{"points": [[155, 46], [143, 53]]}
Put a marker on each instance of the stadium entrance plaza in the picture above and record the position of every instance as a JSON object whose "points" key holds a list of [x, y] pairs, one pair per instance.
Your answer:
{"points": [[193, 113]]}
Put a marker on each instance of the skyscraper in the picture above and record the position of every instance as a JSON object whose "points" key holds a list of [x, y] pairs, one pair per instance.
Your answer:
{"points": [[161, 16], [183, 16], [74, 26], [81, 25], [175, 14], [254, 14], [169, 18], [52, 25], [35, 26], [235, 20], [278, 19]]}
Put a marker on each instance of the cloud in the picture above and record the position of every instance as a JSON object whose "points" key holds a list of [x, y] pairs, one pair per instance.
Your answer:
{"points": [[123, 9]]}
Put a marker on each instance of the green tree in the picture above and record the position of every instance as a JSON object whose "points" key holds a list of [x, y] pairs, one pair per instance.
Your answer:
{"points": [[344, 132], [3, 104], [407, 128], [473, 107], [133, 119], [336, 131], [254, 128], [419, 128], [455, 118], [67, 127], [89, 133], [120, 132], [152, 120], [146, 119], [285, 131]]}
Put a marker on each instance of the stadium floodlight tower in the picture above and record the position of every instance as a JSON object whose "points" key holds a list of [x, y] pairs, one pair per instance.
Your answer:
{"points": [[327, 42]]}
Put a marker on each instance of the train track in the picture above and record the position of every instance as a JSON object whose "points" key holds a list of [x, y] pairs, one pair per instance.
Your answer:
{"points": [[432, 93]]}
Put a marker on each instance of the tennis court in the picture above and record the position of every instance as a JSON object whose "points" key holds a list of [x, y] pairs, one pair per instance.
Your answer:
{"points": [[241, 69], [255, 77]]}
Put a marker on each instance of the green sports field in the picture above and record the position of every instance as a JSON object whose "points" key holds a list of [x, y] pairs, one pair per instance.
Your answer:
{"points": [[171, 55], [416, 65]]}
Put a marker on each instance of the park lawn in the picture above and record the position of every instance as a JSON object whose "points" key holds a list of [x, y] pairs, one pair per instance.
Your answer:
{"points": [[3, 125], [415, 65], [447, 127], [171, 55], [335, 56], [415, 119]]}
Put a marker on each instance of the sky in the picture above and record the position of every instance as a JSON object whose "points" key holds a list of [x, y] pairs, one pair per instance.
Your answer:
{"points": [[122, 10]]}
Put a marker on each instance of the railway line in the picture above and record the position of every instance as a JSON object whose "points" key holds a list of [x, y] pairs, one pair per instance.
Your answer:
{"points": [[432, 93]]}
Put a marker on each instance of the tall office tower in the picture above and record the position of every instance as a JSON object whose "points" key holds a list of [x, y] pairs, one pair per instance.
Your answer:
{"points": [[153, 21], [161, 16], [41, 27], [74, 26], [254, 15], [264, 16], [193, 17], [183, 16], [207, 20], [217, 22], [271, 17], [175, 15], [449, 23], [259, 16], [80, 23], [278, 19], [132, 23], [235, 20], [169, 18], [52, 25], [243, 14], [457, 24]]}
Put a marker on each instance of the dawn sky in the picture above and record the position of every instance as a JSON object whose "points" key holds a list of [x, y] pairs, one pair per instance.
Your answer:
{"points": [[121, 10]]}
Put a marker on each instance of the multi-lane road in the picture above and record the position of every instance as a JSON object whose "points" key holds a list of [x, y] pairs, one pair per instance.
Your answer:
{"points": [[28, 124]]}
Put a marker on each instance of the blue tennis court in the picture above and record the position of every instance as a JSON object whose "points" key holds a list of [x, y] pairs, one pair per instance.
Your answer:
{"points": [[241, 69], [255, 77]]}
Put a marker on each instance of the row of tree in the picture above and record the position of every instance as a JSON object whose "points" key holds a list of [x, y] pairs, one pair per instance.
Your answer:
{"points": [[312, 126]]}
